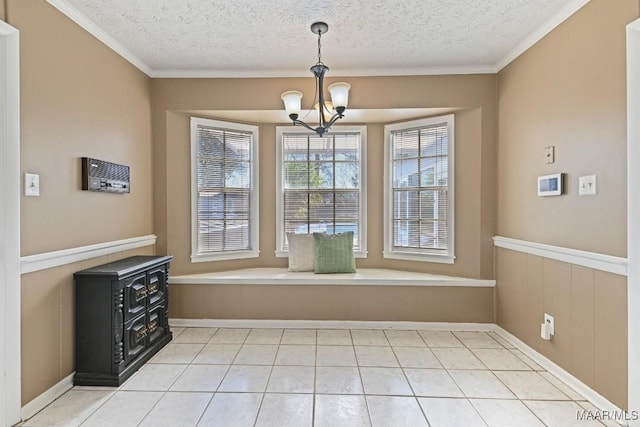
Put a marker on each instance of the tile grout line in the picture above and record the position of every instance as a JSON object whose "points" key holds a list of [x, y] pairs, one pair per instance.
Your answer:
{"points": [[365, 395], [364, 392]]}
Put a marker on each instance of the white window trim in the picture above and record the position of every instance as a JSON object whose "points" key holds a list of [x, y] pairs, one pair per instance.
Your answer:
{"points": [[423, 255], [362, 252], [255, 211]]}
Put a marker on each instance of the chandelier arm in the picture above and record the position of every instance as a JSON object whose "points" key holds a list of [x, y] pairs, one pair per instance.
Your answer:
{"points": [[333, 120], [303, 124]]}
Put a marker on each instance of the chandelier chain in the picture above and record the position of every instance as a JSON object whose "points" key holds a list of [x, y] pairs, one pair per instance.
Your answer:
{"points": [[319, 47]]}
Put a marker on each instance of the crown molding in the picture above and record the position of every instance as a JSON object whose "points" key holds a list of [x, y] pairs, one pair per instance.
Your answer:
{"points": [[75, 15], [540, 32], [356, 72]]}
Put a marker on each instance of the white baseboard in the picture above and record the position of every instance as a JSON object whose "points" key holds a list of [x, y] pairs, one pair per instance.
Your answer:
{"points": [[328, 324], [578, 386], [40, 402]]}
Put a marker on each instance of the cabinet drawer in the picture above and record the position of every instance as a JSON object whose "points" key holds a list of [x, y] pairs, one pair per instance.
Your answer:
{"points": [[157, 325], [135, 337], [135, 296], [157, 285]]}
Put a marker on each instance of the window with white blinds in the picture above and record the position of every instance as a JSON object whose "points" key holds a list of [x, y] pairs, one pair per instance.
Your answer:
{"points": [[224, 190], [321, 182], [419, 190]]}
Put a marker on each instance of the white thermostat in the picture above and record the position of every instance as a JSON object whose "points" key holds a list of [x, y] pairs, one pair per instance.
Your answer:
{"points": [[550, 185]]}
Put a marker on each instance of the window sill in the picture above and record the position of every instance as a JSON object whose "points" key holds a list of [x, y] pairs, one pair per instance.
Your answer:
{"points": [[421, 257], [357, 254], [224, 256]]}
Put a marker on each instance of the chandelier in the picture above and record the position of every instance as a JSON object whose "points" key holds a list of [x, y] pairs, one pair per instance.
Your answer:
{"points": [[339, 93]]}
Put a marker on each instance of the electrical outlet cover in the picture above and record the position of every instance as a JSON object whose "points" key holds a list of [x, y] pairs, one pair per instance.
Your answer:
{"points": [[549, 320]]}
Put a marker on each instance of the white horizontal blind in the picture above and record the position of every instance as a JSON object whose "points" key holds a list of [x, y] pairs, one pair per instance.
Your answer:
{"points": [[321, 186], [224, 185], [420, 188]]}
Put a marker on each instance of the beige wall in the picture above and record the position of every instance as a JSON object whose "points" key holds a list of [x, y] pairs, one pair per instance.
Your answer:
{"points": [[78, 98], [568, 91], [590, 313], [473, 95]]}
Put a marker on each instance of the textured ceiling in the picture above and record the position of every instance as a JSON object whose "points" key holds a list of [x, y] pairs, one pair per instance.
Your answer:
{"points": [[272, 38]]}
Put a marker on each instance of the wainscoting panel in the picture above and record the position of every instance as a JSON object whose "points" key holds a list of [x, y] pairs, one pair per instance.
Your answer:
{"points": [[332, 302], [589, 307]]}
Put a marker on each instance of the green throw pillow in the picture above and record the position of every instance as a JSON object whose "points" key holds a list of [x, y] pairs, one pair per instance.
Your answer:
{"points": [[334, 253]]}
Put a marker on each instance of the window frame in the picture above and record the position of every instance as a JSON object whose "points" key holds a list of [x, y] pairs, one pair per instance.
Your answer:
{"points": [[362, 214], [419, 254], [254, 216]]}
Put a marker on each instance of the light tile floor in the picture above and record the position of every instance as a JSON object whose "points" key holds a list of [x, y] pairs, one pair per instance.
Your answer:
{"points": [[309, 377]]}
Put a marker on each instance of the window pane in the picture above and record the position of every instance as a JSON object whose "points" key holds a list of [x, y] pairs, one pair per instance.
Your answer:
{"points": [[237, 206], [210, 206], [321, 175], [237, 146], [428, 234], [320, 206], [406, 234], [236, 236], [210, 235], [434, 141], [210, 143], [296, 175], [296, 206], [434, 204], [405, 173], [347, 147], [434, 171], [347, 175], [237, 174], [406, 204], [347, 205], [443, 235], [405, 144], [210, 173], [320, 148], [295, 147]]}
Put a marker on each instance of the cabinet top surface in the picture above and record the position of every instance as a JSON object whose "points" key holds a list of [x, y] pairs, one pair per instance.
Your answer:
{"points": [[125, 266]]}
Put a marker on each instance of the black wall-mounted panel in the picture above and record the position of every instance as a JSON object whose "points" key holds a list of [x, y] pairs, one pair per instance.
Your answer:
{"points": [[98, 175]]}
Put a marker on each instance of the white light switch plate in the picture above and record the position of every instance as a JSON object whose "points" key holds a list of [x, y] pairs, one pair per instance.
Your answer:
{"points": [[587, 185], [549, 154], [31, 184]]}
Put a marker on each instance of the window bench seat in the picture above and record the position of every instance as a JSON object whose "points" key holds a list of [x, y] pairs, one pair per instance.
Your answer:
{"points": [[363, 276], [368, 295]]}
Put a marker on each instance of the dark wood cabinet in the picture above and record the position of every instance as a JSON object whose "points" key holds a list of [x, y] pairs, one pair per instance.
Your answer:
{"points": [[121, 318]]}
